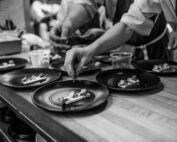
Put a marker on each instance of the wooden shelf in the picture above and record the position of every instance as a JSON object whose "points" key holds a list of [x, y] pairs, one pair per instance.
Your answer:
{"points": [[4, 126]]}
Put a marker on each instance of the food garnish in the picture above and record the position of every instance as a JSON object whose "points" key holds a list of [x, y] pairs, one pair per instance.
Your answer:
{"points": [[129, 82], [74, 97], [161, 67], [30, 79], [8, 64]]}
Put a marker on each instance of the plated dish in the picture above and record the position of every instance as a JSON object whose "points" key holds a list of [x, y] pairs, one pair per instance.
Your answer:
{"points": [[75, 98], [160, 67], [164, 67], [66, 96], [8, 64], [128, 80], [28, 78], [33, 78]]}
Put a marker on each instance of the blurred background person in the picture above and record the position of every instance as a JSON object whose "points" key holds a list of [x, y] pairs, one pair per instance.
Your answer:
{"points": [[45, 14]]}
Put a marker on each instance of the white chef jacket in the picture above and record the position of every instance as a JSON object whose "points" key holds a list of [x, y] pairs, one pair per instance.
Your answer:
{"points": [[139, 13]]}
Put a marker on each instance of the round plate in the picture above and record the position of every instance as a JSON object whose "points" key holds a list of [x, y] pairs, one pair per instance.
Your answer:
{"points": [[13, 79], [42, 96], [19, 63], [59, 66], [148, 65], [111, 78]]}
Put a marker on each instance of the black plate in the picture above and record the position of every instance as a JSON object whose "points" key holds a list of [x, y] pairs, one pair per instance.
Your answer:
{"points": [[13, 79], [148, 65], [59, 66], [105, 59], [42, 96], [19, 63], [111, 78]]}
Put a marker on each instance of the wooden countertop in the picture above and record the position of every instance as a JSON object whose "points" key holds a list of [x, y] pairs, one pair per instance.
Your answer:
{"points": [[149, 116]]}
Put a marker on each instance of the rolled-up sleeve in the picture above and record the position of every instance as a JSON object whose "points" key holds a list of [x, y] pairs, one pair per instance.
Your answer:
{"points": [[90, 6], [169, 10], [136, 20]]}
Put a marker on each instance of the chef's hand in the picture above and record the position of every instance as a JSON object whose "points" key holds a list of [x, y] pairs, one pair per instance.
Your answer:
{"points": [[172, 44], [59, 35], [75, 59]]}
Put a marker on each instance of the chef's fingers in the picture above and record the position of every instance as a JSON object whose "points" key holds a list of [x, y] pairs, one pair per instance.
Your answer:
{"points": [[70, 61], [80, 65]]}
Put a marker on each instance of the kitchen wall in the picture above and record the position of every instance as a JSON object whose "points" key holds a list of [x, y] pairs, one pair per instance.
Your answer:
{"points": [[14, 10]]}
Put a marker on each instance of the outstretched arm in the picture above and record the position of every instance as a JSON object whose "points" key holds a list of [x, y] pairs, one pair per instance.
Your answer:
{"points": [[112, 39], [76, 58]]}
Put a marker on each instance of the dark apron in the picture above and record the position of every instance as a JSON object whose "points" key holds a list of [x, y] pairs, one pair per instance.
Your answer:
{"points": [[47, 1], [157, 50]]}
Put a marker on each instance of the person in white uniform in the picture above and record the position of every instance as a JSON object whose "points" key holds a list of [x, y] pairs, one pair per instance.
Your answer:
{"points": [[138, 19]]}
